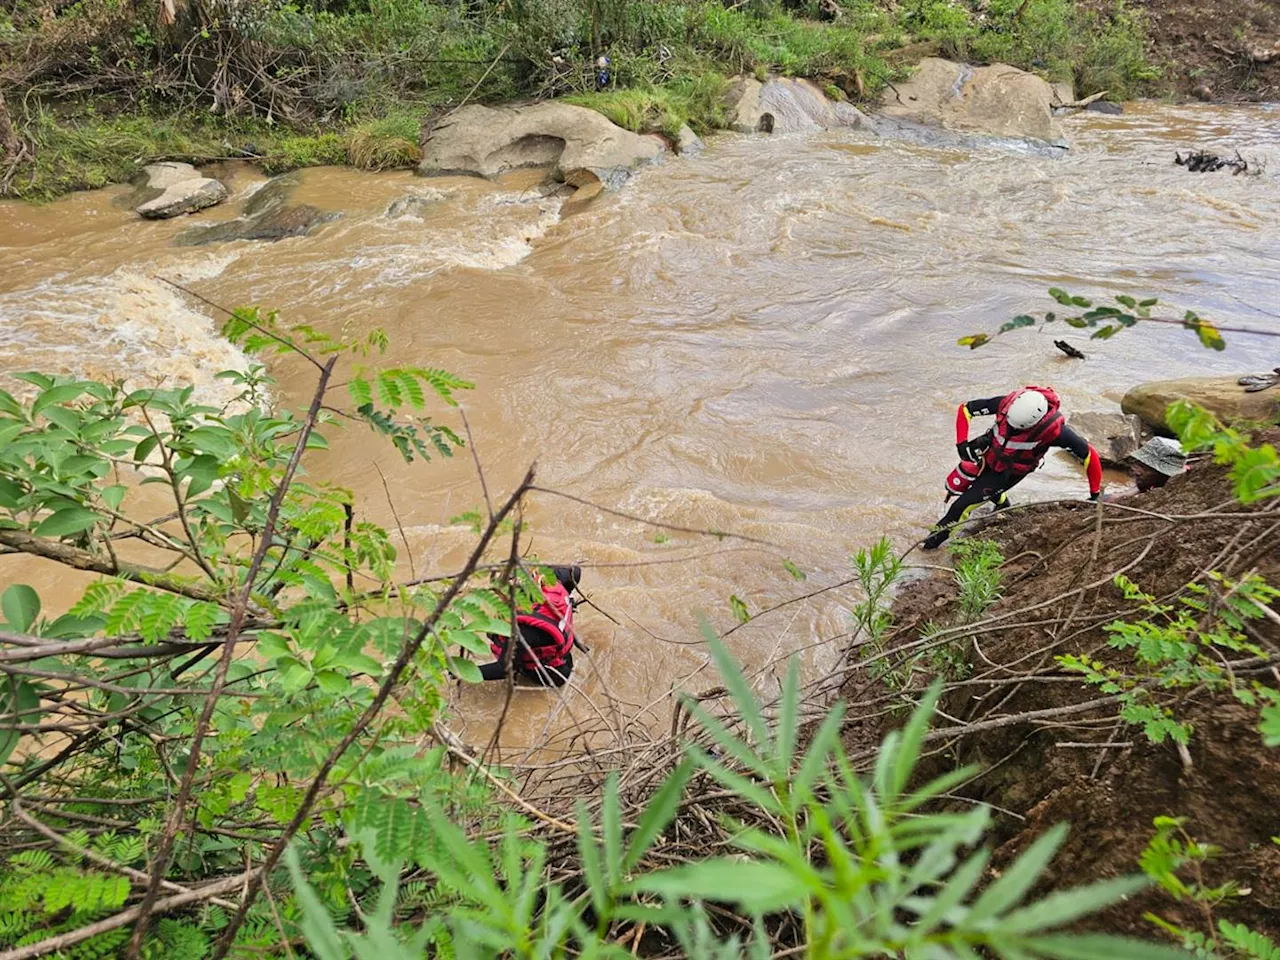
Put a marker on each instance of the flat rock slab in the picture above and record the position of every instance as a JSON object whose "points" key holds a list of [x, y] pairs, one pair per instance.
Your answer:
{"points": [[1224, 397], [268, 215], [173, 189], [580, 145], [999, 100]]}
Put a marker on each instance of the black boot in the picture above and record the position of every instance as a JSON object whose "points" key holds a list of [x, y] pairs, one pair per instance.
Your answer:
{"points": [[936, 539]]}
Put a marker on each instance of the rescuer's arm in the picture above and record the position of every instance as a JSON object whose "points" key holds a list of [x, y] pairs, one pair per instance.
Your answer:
{"points": [[965, 413], [1082, 450]]}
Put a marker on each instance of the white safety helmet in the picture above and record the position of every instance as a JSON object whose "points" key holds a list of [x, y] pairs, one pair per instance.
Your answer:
{"points": [[1027, 409]]}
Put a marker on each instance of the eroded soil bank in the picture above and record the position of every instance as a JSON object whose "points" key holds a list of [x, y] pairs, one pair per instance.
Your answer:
{"points": [[1029, 723]]}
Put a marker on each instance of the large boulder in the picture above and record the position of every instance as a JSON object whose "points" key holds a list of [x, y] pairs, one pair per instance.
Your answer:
{"points": [[268, 215], [783, 105], [999, 100], [1221, 396], [172, 189], [800, 106], [580, 145], [1113, 435], [742, 100]]}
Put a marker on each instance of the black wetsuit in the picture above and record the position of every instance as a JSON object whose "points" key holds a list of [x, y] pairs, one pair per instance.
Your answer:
{"points": [[994, 486]]}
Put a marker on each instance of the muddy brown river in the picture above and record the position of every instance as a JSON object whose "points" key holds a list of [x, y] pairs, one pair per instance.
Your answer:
{"points": [[758, 340]]}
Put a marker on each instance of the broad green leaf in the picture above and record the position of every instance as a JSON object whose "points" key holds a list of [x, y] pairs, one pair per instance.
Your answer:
{"points": [[757, 886], [201, 474], [739, 608], [10, 494], [69, 627], [60, 394], [144, 448], [1127, 301], [9, 430], [1270, 725], [218, 441], [357, 663], [1060, 295], [21, 606], [465, 670], [795, 572], [1105, 333], [67, 521], [113, 495], [472, 642], [973, 341], [271, 645]]}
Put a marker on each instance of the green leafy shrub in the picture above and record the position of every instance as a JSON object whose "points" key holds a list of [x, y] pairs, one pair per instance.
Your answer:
{"points": [[1181, 646], [893, 878], [977, 574], [1171, 852]]}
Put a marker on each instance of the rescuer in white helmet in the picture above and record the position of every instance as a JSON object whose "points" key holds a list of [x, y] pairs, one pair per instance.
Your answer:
{"points": [[1028, 424]]}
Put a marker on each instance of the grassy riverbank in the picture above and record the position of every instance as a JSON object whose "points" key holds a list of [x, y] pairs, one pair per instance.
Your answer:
{"points": [[97, 86]]}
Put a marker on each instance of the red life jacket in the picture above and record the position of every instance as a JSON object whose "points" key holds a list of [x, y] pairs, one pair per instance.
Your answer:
{"points": [[1020, 451], [551, 622]]}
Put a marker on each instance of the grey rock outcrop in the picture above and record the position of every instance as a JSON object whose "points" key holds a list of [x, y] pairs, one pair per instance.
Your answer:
{"points": [[1113, 435], [783, 105], [999, 100], [172, 189], [688, 143], [581, 146]]}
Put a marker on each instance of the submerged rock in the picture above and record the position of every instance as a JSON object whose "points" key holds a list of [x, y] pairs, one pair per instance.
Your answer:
{"points": [[580, 145], [688, 143], [172, 189], [411, 205], [1105, 106], [1113, 435], [1224, 397], [268, 215], [999, 100]]}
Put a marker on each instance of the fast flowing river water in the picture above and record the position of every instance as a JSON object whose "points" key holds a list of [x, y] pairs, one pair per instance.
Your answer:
{"points": [[760, 340]]}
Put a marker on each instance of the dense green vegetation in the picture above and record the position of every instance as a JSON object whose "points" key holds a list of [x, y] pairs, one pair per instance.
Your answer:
{"points": [[242, 748], [96, 85]]}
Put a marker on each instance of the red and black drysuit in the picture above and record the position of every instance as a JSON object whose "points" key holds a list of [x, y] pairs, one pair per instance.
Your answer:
{"points": [[544, 648], [1004, 456]]}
